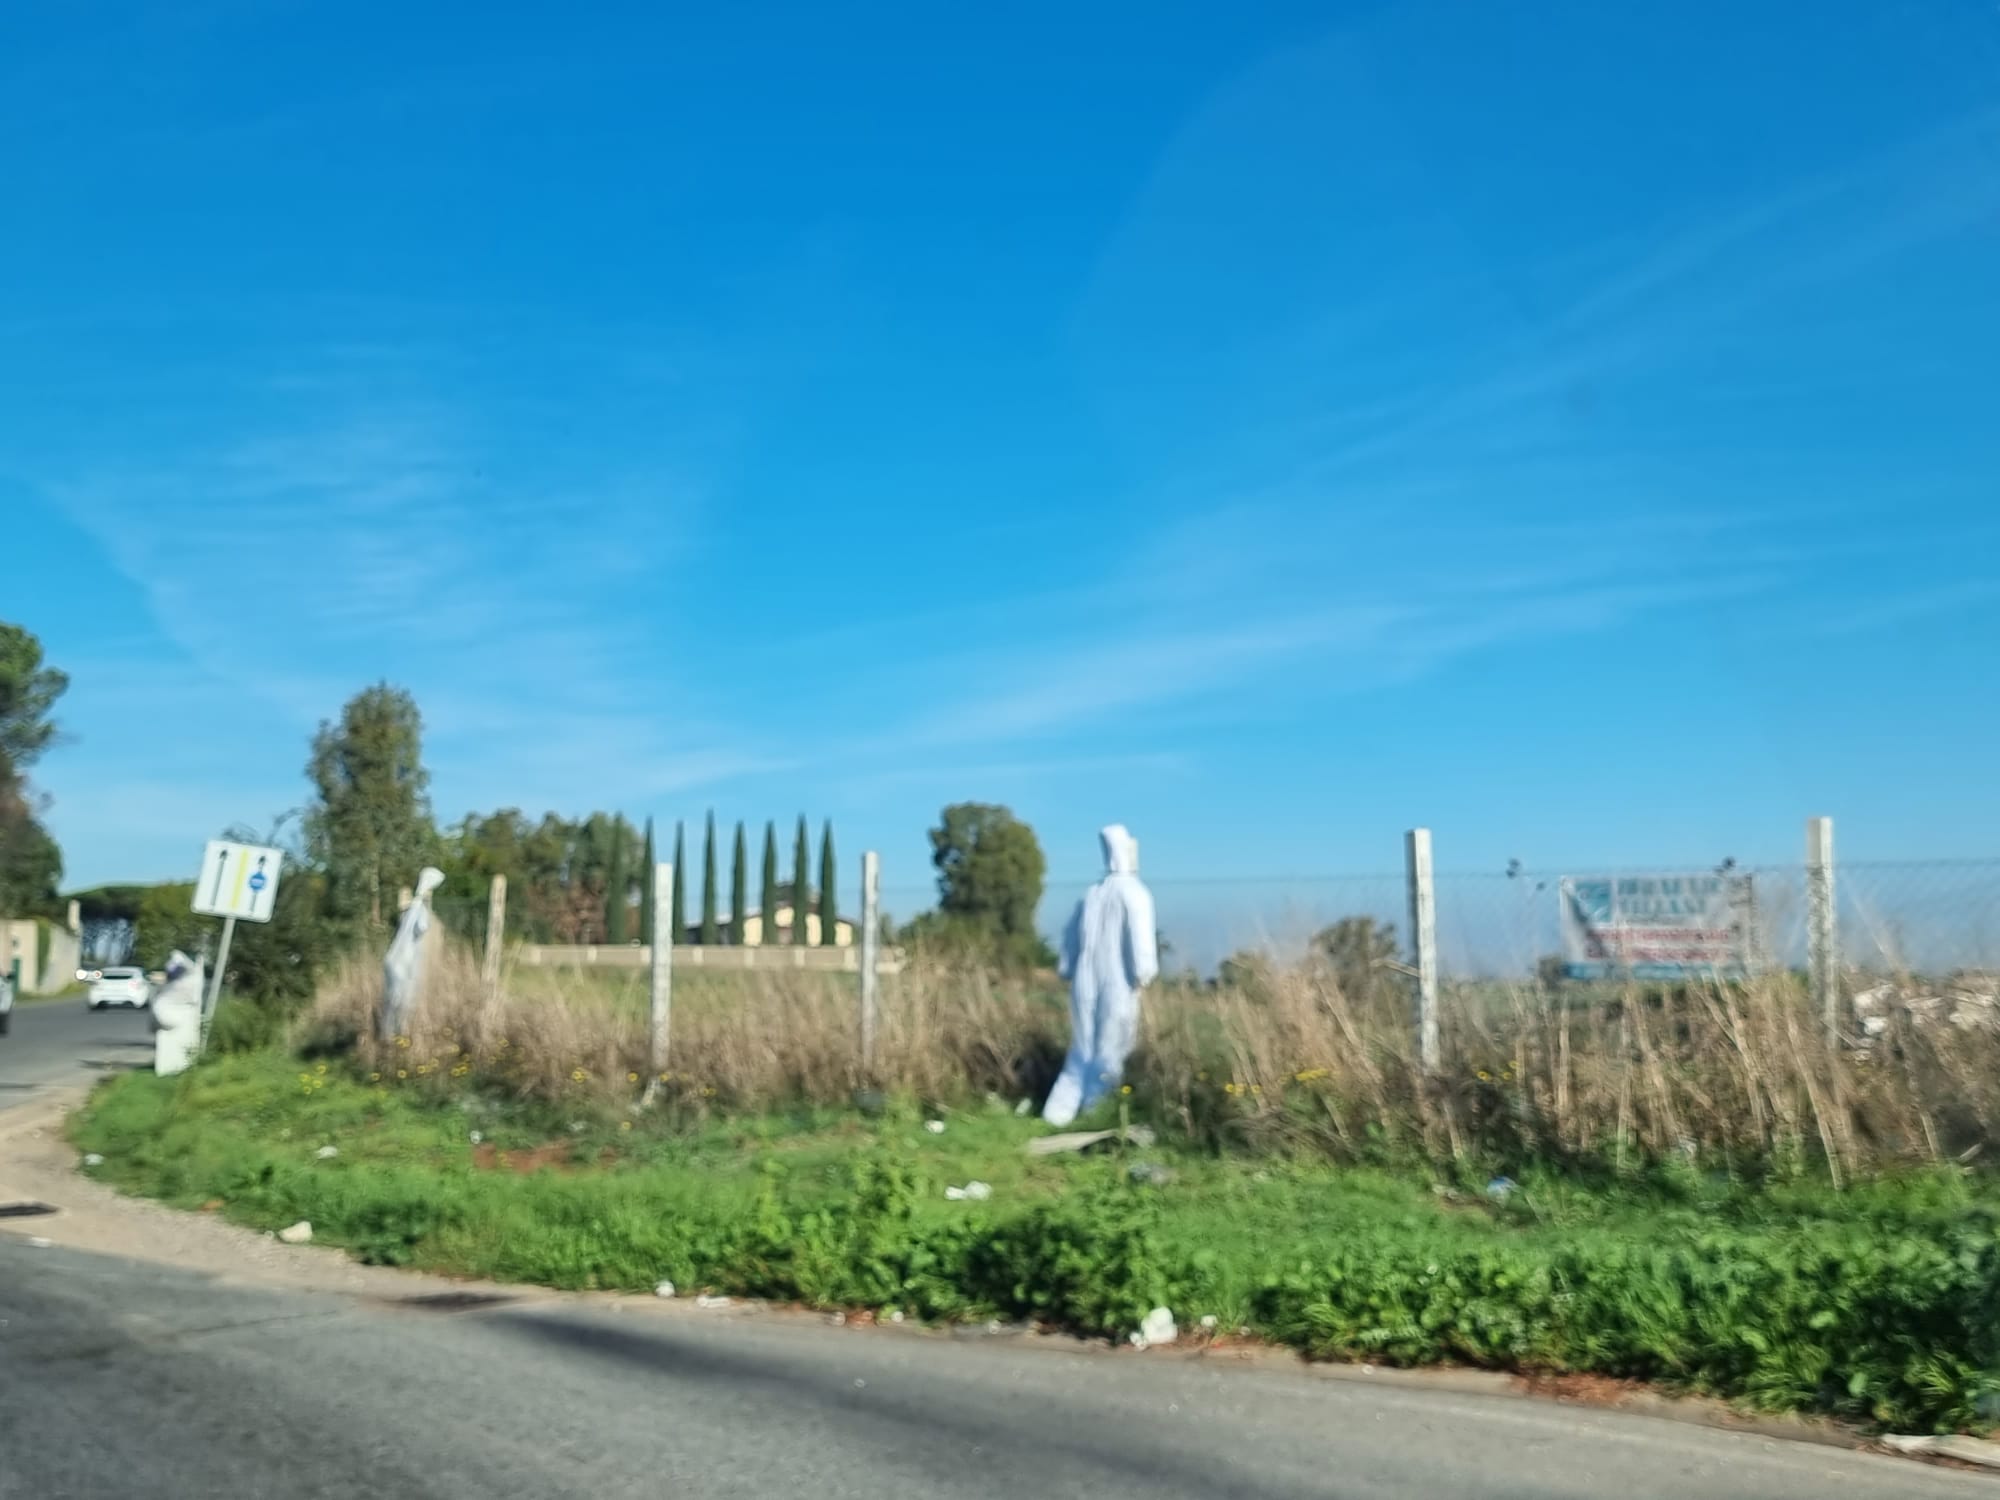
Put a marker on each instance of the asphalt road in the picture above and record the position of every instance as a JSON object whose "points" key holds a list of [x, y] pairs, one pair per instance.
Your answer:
{"points": [[55, 1043], [119, 1378]]}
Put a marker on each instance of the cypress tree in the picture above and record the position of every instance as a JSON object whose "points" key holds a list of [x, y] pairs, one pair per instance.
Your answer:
{"points": [[680, 885], [617, 888], [768, 914], [739, 886], [829, 912], [709, 934], [648, 888], [801, 888]]}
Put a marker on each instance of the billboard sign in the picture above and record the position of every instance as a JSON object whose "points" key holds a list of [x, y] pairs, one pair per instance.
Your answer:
{"points": [[1655, 926]]}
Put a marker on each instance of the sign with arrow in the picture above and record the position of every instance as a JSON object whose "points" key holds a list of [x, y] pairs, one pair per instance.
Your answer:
{"points": [[238, 880]]}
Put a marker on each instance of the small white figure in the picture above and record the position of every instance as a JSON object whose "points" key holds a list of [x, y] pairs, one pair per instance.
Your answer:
{"points": [[1110, 952], [403, 964], [176, 1015]]}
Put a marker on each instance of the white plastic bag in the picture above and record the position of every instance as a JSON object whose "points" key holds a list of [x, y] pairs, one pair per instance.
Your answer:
{"points": [[176, 1015], [403, 964]]}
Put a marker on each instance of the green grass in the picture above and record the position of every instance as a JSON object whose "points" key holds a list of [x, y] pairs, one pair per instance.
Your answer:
{"points": [[1876, 1303]]}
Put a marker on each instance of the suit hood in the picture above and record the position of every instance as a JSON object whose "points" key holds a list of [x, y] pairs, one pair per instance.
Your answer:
{"points": [[1121, 850]]}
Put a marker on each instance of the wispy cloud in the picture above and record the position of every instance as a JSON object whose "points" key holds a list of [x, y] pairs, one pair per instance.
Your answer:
{"points": [[298, 562], [1866, 616]]}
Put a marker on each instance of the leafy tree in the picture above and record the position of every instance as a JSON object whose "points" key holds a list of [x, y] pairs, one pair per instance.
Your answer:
{"points": [[370, 829], [768, 913], [829, 912], [648, 888], [618, 891], [990, 872], [1360, 952], [710, 932], [164, 923], [30, 862], [801, 891], [679, 934], [28, 692], [739, 885]]}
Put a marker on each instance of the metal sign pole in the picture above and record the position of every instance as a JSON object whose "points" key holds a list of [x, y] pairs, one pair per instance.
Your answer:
{"points": [[214, 993]]}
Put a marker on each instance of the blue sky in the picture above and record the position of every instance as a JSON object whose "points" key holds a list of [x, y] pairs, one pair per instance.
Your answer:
{"points": [[1271, 426]]}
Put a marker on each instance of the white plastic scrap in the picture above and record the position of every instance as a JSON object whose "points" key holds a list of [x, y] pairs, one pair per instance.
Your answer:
{"points": [[93, 1160], [327, 1153], [300, 1233], [664, 1289], [1157, 1327], [708, 1301], [935, 1127], [974, 1191]]}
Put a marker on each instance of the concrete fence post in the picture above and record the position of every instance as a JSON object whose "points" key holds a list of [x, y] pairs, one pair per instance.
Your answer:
{"points": [[662, 972], [1822, 927], [1423, 945], [496, 932], [871, 924]]}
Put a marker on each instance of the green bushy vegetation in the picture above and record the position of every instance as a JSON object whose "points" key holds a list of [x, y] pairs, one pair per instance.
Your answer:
{"points": [[1877, 1302]]}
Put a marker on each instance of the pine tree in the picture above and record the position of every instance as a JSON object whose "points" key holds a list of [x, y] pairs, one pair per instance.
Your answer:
{"points": [[709, 935], [829, 915], [768, 916], [648, 887], [739, 886], [617, 888], [801, 890], [680, 885]]}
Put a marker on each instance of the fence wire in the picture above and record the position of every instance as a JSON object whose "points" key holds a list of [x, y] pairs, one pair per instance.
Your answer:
{"points": [[1932, 919]]}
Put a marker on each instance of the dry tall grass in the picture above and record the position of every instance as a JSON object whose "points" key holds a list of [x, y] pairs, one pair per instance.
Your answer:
{"points": [[1282, 1057], [743, 1039]]}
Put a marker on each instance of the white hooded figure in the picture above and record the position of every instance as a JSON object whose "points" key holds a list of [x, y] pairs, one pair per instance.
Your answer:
{"points": [[177, 1015], [403, 964], [1110, 952]]}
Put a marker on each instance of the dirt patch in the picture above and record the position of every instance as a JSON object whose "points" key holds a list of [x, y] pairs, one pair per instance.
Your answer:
{"points": [[554, 1155], [1585, 1390]]}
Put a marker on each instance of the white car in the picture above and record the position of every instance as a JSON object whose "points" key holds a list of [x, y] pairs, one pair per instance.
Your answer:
{"points": [[120, 987]]}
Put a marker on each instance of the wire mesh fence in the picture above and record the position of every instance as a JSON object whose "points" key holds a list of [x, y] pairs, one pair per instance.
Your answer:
{"points": [[1908, 919]]}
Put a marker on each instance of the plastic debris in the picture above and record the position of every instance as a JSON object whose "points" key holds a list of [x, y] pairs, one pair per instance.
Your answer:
{"points": [[1082, 1140], [476, 1137], [974, 1191], [935, 1127], [838, 1320], [93, 1160], [1157, 1327], [664, 1290], [327, 1153], [896, 1315], [1500, 1189], [1208, 1320], [300, 1233], [707, 1301], [1025, 1108]]}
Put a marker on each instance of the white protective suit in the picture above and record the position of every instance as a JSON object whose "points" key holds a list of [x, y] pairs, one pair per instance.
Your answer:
{"points": [[1110, 952], [403, 964], [177, 1015]]}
